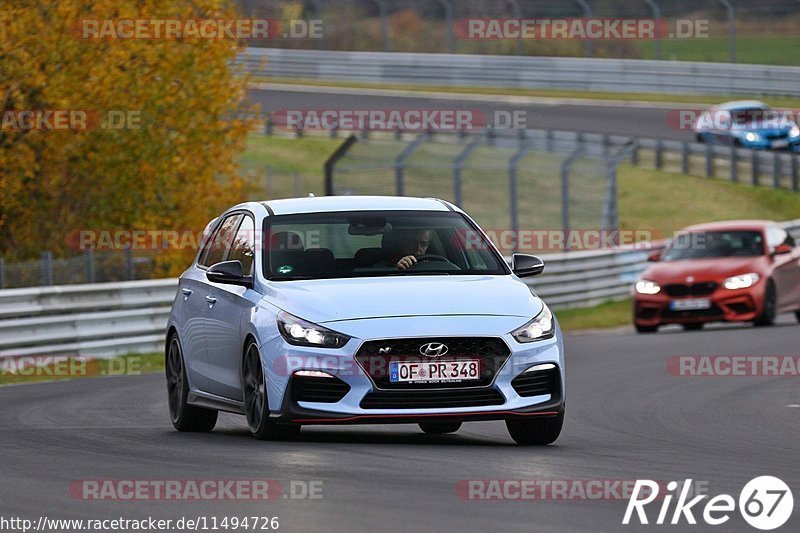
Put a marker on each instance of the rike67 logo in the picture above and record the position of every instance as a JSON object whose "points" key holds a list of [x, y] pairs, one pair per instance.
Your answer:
{"points": [[765, 503]]}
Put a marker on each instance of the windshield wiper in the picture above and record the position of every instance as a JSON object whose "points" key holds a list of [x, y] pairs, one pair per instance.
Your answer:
{"points": [[419, 273]]}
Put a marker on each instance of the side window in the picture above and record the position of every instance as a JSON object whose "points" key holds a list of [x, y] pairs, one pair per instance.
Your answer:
{"points": [[218, 245], [243, 248], [775, 236]]}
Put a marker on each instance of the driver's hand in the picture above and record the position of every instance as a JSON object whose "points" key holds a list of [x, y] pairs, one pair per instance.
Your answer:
{"points": [[406, 262]]}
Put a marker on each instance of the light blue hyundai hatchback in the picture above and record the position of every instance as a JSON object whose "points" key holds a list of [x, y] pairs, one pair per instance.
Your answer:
{"points": [[347, 310]]}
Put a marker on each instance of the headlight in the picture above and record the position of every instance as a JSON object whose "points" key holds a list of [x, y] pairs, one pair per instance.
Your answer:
{"points": [[742, 282], [645, 286], [303, 333], [541, 327], [794, 132], [752, 137]]}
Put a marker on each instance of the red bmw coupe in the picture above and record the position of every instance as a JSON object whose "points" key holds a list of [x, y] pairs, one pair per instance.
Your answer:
{"points": [[739, 271]]}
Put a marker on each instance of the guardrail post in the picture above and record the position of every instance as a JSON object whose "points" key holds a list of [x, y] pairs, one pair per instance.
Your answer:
{"points": [[795, 184], [657, 16], [606, 145], [269, 126], [2, 273], [731, 31], [128, 264], [734, 164], [776, 171], [709, 161], [89, 257], [565, 168], [754, 171], [587, 12], [47, 268], [384, 23], [685, 157], [659, 162], [548, 140], [450, 23], [518, 15], [635, 154]]}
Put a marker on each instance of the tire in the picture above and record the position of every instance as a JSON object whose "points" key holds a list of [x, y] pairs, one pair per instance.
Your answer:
{"points": [[535, 431], [797, 315], [439, 428], [767, 316], [694, 326], [646, 329], [184, 417], [256, 404]]}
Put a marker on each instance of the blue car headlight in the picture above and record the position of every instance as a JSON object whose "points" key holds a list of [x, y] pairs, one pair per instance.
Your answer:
{"points": [[304, 333], [794, 132], [541, 327], [752, 137]]}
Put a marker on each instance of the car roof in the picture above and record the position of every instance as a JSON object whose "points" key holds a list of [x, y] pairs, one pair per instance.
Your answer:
{"points": [[330, 204], [742, 104], [752, 225]]}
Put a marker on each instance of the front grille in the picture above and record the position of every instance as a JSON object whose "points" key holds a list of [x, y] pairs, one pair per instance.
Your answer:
{"points": [[432, 399], [537, 383], [678, 290], [777, 135], [741, 308], [714, 311], [375, 356], [314, 389]]}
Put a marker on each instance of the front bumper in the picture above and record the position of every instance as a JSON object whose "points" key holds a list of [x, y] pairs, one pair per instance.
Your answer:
{"points": [[741, 305], [350, 409]]}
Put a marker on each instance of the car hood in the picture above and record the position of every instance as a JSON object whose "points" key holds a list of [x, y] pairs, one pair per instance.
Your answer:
{"points": [[332, 300], [701, 269]]}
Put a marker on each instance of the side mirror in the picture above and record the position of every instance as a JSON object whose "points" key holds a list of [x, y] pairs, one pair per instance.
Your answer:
{"points": [[229, 272], [526, 265], [782, 249], [655, 256]]}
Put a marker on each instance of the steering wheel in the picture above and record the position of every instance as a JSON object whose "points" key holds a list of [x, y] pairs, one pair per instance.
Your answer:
{"points": [[431, 257]]}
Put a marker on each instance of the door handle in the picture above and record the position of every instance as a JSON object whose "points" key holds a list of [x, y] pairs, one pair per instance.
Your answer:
{"points": [[186, 292], [211, 299]]}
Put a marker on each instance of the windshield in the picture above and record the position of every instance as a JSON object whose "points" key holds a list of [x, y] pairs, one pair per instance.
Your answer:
{"points": [[700, 245], [375, 244]]}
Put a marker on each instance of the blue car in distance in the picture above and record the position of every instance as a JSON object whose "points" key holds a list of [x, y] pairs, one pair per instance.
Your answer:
{"points": [[348, 310], [749, 124]]}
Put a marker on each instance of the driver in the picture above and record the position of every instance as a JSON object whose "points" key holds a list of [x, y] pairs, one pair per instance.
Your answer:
{"points": [[406, 247]]}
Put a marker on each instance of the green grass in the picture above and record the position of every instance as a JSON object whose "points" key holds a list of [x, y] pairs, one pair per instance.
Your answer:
{"points": [[775, 101], [16, 370], [607, 315], [656, 200], [759, 49]]}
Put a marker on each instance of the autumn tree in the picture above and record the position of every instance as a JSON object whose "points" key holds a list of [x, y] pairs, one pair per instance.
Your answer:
{"points": [[167, 160]]}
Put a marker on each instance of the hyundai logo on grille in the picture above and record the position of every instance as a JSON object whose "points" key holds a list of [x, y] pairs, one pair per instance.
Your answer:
{"points": [[433, 349]]}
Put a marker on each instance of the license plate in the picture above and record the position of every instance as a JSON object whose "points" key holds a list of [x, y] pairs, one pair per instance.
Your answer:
{"points": [[434, 371], [781, 143], [690, 305]]}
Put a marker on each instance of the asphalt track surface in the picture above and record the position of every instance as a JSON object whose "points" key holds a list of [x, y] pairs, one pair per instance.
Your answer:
{"points": [[627, 418], [617, 118]]}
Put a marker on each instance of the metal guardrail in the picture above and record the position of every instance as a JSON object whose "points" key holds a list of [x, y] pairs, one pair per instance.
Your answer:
{"points": [[524, 72], [109, 319]]}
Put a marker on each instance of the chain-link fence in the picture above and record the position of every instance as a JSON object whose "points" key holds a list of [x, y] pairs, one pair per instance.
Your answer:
{"points": [[704, 30], [509, 183], [88, 267]]}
